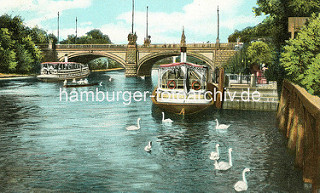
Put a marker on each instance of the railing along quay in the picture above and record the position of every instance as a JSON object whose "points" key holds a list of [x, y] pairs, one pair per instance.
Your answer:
{"points": [[298, 118]]}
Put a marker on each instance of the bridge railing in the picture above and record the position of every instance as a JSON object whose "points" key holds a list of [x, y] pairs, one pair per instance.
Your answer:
{"points": [[89, 46], [229, 46], [194, 45]]}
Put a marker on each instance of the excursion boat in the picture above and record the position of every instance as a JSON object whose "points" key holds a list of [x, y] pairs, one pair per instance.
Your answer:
{"points": [[183, 88], [60, 71]]}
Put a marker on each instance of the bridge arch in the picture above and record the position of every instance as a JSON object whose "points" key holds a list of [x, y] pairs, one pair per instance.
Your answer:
{"points": [[95, 55], [145, 64]]}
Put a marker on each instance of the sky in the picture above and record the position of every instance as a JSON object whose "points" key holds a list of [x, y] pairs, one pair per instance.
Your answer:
{"points": [[113, 17]]}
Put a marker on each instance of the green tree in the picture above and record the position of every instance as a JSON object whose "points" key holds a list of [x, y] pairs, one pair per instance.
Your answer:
{"points": [[94, 36], [39, 36], [259, 32], [278, 12], [259, 53], [301, 57], [17, 50], [238, 63], [8, 56]]}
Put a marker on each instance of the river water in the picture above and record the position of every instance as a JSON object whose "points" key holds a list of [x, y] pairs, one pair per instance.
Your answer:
{"points": [[83, 146]]}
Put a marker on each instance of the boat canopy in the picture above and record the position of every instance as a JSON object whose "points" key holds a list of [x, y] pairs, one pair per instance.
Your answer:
{"points": [[63, 65], [183, 76]]}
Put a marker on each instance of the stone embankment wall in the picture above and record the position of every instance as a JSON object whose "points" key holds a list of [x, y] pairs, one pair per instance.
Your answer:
{"points": [[298, 118]]}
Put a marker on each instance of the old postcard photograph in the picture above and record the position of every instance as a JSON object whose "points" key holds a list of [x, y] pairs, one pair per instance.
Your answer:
{"points": [[160, 96]]}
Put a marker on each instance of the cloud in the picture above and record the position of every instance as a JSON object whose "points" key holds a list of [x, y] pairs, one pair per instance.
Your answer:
{"points": [[199, 19], [41, 9]]}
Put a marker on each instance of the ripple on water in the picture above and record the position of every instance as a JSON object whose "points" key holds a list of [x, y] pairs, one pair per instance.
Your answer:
{"points": [[52, 145]]}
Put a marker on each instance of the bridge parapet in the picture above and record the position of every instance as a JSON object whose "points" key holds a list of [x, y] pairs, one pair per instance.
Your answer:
{"points": [[90, 46], [228, 46]]}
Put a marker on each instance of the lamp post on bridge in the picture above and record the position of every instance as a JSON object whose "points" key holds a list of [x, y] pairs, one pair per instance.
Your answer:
{"points": [[132, 37], [147, 39], [218, 26], [131, 55]]}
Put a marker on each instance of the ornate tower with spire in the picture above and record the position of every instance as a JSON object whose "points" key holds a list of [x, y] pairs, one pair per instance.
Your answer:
{"points": [[183, 39], [183, 47]]}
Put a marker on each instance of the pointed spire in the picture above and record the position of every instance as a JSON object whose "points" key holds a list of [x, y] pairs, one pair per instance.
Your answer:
{"points": [[183, 38]]}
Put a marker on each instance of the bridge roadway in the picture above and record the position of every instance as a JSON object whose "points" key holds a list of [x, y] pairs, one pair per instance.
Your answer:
{"points": [[138, 59]]}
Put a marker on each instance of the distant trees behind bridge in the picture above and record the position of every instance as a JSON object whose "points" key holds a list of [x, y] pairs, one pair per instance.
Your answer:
{"points": [[94, 36]]}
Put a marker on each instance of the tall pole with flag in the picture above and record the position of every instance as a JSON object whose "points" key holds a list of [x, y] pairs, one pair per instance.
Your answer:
{"points": [[147, 35], [218, 25], [132, 16], [75, 39], [58, 27]]}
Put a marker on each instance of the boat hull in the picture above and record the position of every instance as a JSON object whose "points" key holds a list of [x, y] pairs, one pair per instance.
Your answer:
{"points": [[181, 108]]}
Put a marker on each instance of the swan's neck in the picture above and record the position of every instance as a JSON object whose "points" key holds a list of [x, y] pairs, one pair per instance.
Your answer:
{"points": [[138, 122], [230, 159], [244, 177], [162, 116], [217, 122], [215, 163]]}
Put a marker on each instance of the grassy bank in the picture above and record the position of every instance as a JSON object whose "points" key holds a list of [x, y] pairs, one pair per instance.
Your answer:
{"points": [[5, 75]]}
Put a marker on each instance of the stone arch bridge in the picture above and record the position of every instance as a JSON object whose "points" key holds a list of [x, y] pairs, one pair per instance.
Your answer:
{"points": [[138, 60]]}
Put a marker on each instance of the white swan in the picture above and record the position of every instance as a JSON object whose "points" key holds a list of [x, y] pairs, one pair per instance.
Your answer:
{"points": [[148, 147], [224, 165], [85, 81], [74, 80], [80, 81], [165, 120], [65, 82], [242, 185], [215, 155], [134, 127], [110, 79], [221, 126]]}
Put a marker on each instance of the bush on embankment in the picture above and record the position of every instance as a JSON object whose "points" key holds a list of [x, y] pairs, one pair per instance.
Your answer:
{"points": [[301, 57]]}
